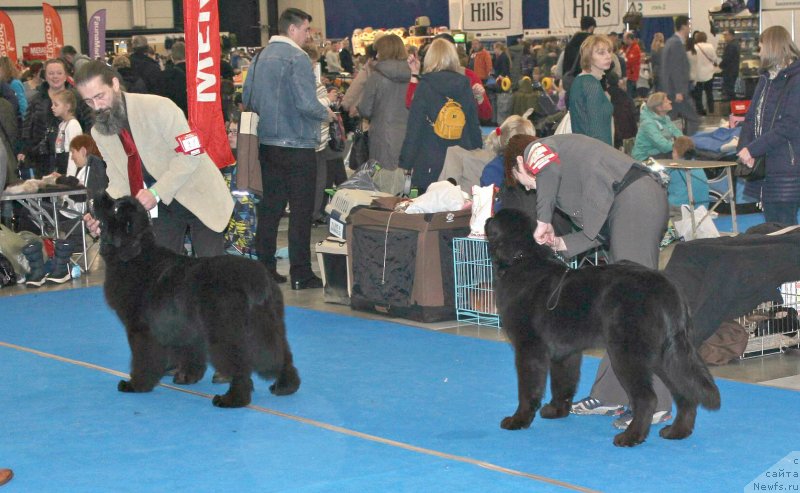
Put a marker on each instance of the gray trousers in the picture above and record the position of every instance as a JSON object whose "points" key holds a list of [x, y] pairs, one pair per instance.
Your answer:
{"points": [[637, 222], [686, 110]]}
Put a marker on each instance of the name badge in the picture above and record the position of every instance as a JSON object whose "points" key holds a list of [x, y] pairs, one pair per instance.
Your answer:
{"points": [[189, 144]]}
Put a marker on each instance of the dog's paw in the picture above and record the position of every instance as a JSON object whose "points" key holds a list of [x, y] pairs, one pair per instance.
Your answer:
{"points": [[287, 383], [674, 432], [130, 386], [515, 423], [227, 401], [550, 411], [628, 439]]}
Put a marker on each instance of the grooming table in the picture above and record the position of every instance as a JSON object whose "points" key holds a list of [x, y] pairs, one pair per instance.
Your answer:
{"points": [[46, 212]]}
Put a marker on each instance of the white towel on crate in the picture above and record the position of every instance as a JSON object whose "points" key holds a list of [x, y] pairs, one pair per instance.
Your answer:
{"points": [[441, 196]]}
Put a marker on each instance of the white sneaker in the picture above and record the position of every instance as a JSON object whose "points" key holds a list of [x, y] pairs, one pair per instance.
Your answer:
{"points": [[590, 405], [625, 419]]}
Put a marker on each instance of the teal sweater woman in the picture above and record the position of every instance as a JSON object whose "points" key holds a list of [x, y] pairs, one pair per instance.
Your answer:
{"points": [[589, 106], [655, 139]]}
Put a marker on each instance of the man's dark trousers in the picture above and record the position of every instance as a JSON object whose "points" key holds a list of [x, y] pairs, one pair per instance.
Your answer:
{"points": [[289, 175]]}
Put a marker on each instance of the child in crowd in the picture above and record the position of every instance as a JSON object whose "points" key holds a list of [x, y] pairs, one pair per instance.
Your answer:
{"points": [[678, 192], [64, 104]]}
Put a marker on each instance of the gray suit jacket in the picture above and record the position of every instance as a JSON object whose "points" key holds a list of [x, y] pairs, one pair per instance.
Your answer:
{"points": [[194, 181], [581, 186], [674, 76]]}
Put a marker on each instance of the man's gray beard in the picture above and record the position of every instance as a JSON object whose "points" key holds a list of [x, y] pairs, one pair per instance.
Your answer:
{"points": [[113, 120]]}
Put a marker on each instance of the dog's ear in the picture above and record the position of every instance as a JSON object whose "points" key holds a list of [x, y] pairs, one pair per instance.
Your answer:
{"points": [[101, 206]]}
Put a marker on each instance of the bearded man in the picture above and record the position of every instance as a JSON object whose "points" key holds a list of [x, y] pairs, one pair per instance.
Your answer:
{"points": [[146, 143]]}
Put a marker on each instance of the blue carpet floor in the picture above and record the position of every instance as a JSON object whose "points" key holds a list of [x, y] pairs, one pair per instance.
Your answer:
{"points": [[383, 407]]}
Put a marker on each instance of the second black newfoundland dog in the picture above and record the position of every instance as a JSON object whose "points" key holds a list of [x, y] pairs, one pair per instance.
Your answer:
{"points": [[226, 309], [551, 313]]}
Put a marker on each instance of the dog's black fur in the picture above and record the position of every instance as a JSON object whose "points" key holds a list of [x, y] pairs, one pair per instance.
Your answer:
{"points": [[550, 315], [225, 308]]}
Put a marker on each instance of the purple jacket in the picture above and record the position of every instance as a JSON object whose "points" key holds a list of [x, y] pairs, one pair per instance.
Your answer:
{"points": [[780, 143]]}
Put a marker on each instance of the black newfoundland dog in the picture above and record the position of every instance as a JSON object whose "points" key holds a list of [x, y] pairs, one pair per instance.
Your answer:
{"points": [[224, 308], [551, 313]]}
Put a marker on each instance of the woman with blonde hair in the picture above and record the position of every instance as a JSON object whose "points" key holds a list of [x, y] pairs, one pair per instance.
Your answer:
{"points": [[589, 106], [655, 56], [441, 82], [494, 173], [770, 128], [502, 61]]}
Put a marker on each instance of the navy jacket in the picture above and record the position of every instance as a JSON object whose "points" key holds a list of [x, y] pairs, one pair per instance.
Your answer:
{"points": [[781, 143], [423, 151]]}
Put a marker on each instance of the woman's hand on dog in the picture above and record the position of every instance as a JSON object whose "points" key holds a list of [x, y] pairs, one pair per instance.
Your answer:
{"points": [[544, 234], [92, 224]]}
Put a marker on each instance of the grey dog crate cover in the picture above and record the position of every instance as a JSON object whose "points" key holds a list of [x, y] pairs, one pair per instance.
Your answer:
{"points": [[402, 264]]}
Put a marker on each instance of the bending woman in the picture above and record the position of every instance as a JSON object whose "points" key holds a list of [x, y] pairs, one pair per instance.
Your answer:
{"points": [[612, 200]]}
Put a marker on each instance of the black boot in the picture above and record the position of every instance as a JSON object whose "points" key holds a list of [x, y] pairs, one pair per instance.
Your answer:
{"points": [[60, 272], [36, 275]]}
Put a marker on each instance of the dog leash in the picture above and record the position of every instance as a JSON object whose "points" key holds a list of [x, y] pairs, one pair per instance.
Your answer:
{"points": [[557, 291], [386, 248]]}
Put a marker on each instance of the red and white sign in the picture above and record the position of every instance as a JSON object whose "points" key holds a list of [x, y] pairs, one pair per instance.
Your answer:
{"points": [[8, 45], [201, 24], [53, 32], [35, 51], [540, 156]]}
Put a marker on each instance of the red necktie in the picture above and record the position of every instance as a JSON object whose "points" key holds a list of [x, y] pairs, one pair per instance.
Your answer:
{"points": [[135, 176]]}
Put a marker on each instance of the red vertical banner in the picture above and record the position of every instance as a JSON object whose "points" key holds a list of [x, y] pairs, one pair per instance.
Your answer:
{"points": [[201, 24], [53, 32], [8, 45]]}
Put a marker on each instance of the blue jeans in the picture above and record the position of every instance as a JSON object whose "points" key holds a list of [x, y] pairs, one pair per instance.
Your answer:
{"points": [[781, 212]]}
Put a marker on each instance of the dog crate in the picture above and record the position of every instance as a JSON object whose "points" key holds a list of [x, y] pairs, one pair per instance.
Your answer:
{"points": [[773, 326], [474, 281]]}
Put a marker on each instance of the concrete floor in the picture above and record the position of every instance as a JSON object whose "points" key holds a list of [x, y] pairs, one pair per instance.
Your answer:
{"points": [[779, 370]]}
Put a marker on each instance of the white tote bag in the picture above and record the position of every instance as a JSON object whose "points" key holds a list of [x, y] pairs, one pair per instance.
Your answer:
{"points": [[564, 126], [704, 225]]}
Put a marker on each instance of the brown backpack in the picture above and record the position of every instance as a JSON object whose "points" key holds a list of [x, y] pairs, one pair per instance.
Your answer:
{"points": [[725, 345]]}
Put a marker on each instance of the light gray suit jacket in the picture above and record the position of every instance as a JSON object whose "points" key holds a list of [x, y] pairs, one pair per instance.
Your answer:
{"points": [[194, 181], [674, 76]]}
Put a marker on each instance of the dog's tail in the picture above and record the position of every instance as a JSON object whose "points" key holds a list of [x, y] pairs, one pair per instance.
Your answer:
{"points": [[682, 363]]}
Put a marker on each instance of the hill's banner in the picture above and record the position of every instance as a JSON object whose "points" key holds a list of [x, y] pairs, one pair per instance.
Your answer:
{"points": [[97, 34], [201, 25], [53, 32], [500, 16], [8, 45], [566, 14]]}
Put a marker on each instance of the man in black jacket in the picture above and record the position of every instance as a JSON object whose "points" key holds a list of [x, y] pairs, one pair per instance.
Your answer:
{"points": [[730, 65], [144, 66], [173, 78], [571, 52], [345, 57]]}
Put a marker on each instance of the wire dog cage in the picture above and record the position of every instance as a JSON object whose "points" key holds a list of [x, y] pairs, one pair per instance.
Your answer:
{"points": [[773, 327], [474, 281]]}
